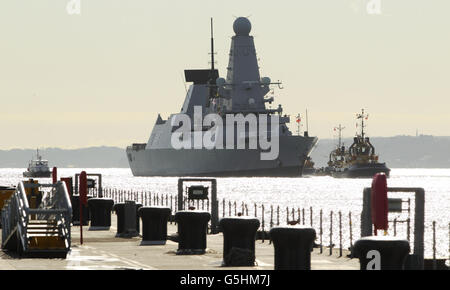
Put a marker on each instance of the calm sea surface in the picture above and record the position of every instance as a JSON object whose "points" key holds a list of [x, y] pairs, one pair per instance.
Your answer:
{"points": [[326, 193]]}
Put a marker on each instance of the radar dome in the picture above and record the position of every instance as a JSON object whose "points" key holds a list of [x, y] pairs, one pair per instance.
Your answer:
{"points": [[266, 81], [220, 82], [242, 26]]}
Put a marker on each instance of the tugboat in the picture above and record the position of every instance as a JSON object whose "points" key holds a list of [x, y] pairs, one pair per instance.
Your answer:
{"points": [[360, 161], [339, 156], [37, 167]]}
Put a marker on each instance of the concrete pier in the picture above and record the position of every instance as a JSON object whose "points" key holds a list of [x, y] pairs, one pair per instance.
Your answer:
{"points": [[101, 250]]}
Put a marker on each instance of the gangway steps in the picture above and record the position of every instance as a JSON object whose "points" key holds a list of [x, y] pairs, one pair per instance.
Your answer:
{"points": [[44, 235], [42, 231]]}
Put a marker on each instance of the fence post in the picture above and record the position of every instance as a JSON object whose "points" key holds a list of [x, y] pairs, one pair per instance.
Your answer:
{"points": [[350, 227], [278, 215], [223, 207], [434, 246], [271, 216], [331, 233], [287, 215], [408, 229], [262, 222], [303, 216], [321, 231], [395, 227], [340, 234]]}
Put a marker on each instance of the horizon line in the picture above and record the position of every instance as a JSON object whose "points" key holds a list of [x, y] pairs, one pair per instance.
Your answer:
{"points": [[119, 147]]}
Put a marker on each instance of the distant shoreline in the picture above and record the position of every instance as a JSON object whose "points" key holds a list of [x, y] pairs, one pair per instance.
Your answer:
{"points": [[421, 151]]}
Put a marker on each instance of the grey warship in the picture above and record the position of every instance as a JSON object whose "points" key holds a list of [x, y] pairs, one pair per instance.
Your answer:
{"points": [[243, 92]]}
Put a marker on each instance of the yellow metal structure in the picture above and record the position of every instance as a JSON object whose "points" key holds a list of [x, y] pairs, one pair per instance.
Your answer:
{"points": [[5, 194], [44, 235]]}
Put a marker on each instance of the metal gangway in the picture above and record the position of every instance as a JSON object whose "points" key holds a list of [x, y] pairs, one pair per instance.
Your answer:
{"points": [[42, 230]]}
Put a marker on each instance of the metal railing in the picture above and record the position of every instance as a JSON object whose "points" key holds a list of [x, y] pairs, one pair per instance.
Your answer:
{"points": [[55, 205], [15, 214]]}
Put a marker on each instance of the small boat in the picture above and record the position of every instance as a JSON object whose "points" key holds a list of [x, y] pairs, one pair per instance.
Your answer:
{"points": [[339, 156], [37, 167], [360, 160]]}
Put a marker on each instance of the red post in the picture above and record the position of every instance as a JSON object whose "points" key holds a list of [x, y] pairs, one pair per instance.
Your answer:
{"points": [[379, 201], [83, 200], [54, 175]]}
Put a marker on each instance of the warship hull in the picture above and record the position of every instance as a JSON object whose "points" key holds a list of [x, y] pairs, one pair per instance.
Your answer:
{"points": [[362, 171], [223, 162]]}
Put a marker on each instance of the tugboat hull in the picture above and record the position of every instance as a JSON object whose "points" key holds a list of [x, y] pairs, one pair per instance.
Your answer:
{"points": [[363, 171], [37, 174]]}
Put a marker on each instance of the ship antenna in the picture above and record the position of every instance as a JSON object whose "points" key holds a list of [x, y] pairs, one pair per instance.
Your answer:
{"points": [[213, 76], [212, 45], [298, 120], [362, 124], [362, 116], [340, 128]]}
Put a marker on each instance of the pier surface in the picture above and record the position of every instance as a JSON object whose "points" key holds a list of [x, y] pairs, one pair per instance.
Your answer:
{"points": [[101, 250]]}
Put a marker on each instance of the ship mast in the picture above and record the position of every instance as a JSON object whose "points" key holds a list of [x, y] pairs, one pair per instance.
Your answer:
{"points": [[362, 116], [212, 75], [212, 47], [298, 120], [339, 129]]}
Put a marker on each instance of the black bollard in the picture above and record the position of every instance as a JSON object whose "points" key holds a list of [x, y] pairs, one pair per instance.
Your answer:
{"points": [[239, 234], [130, 215], [75, 200], [119, 209], [381, 253], [138, 225], [293, 246], [154, 225], [192, 230], [100, 212]]}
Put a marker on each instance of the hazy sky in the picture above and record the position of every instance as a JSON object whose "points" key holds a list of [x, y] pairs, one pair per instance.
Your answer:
{"points": [[101, 77]]}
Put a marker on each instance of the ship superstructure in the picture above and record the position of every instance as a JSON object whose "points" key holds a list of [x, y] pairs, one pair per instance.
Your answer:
{"points": [[184, 145], [37, 167]]}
